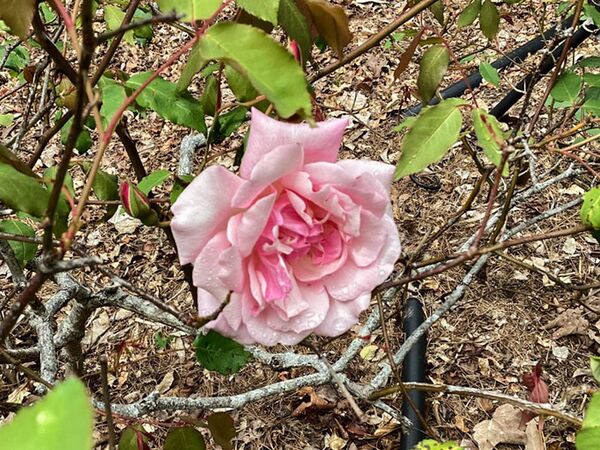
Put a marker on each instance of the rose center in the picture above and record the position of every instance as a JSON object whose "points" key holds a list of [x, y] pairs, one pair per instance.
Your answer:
{"points": [[294, 230]]}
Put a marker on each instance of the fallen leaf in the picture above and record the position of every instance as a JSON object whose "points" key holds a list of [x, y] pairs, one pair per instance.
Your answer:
{"points": [[503, 427], [568, 322], [335, 442], [534, 436]]}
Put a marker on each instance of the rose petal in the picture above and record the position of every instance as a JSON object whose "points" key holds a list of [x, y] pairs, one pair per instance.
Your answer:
{"points": [[342, 316], [245, 228], [351, 281], [278, 163], [365, 247], [202, 209], [382, 172], [320, 143]]}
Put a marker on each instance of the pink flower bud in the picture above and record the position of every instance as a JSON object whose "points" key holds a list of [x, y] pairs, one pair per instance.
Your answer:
{"points": [[295, 50], [137, 204]]}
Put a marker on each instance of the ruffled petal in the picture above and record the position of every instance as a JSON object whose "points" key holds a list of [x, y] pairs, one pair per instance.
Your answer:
{"points": [[202, 210], [351, 281], [279, 162], [244, 229], [320, 143]]}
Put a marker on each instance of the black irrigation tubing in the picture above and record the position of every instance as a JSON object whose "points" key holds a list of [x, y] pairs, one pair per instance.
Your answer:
{"points": [[516, 56], [414, 370]]}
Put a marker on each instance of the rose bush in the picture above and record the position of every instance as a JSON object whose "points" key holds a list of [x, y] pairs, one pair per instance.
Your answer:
{"points": [[299, 239]]}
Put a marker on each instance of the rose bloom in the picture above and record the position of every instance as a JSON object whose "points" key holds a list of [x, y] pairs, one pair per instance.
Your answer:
{"points": [[299, 239]]}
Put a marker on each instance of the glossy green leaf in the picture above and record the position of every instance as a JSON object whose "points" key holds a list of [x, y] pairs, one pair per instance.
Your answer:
{"points": [[220, 353], [114, 18], [222, 429], [192, 10], [469, 14], [18, 14], [296, 27], [490, 136], [270, 68], [6, 120], [489, 19], [265, 9], [163, 97], [152, 180], [433, 133], [50, 177], [489, 73], [210, 95], [432, 68], [589, 435], [590, 210], [113, 95], [24, 251], [184, 438], [63, 420], [595, 366], [567, 87], [105, 188]]}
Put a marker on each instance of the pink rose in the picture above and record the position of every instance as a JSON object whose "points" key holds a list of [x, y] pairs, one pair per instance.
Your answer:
{"points": [[299, 239]]}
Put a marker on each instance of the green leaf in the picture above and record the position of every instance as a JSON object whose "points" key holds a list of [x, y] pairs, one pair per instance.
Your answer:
{"points": [[156, 178], [240, 85], [265, 9], [589, 435], [490, 136], [438, 11], [63, 420], [24, 251], [433, 133], [595, 366], [129, 439], [294, 24], [431, 444], [184, 438], [6, 120], [489, 19], [179, 185], [18, 14], [592, 79], [566, 88], [489, 73], [270, 68], [163, 97], [162, 341], [22, 193], [105, 188], [469, 14], [228, 123], [192, 10], [409, 122], [113, 96], [220, 353], [210, 95], [331, 23], [589, 62], [592, 12], [222, 429], [590, 210], [114, 18], [84, 140], [8, 157], [50, 177], [432, 68]]}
